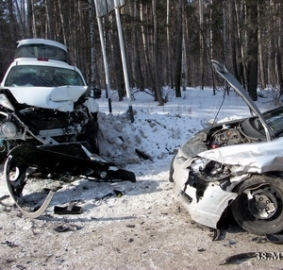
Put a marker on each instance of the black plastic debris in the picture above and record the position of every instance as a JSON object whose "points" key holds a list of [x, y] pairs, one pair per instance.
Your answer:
{"points": [[67, 228], [143, 154], [68, 210], [9, 244], [238, 258], [275, 238], [60, 160], [217, 235]]}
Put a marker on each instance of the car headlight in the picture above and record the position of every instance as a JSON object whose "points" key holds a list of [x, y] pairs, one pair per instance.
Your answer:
{"points": [[4, 101], [9, 129]]}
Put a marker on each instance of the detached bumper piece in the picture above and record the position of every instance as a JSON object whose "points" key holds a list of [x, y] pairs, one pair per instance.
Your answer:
{"points": [[70, 159]]}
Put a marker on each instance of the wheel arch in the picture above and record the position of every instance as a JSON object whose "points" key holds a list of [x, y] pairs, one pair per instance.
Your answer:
{"points": [[274, 175]]}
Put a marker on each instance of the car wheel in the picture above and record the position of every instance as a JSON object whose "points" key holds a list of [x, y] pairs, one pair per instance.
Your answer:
{"points": [[95, 144], [91, 136], [3, 151], [15, 175], [259, 207], [3, 157]]}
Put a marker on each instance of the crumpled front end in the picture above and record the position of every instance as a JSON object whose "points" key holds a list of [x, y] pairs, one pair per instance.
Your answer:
{"points": [[203, 196], [206, 183], [259, 158], [54, 98]]}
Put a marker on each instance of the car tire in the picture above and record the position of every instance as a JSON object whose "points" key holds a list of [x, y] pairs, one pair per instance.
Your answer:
{"points": [[15, 176], [259, 207], [3, 151], [91, 137], [3, 156], [94, 144]]}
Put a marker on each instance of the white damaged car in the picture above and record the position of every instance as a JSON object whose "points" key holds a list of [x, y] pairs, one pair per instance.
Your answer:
{"points": [[237, 166]]}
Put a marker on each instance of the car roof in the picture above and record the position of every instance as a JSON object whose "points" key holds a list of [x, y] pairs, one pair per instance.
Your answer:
{"points": [[30, 41]]}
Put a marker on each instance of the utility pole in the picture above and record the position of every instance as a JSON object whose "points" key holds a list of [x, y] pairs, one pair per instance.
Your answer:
{"points": [[102, 8], [124, 62], [106, 69]]}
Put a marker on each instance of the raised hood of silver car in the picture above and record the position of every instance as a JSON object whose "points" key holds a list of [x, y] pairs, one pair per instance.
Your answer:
{"points": [[226, 75]]}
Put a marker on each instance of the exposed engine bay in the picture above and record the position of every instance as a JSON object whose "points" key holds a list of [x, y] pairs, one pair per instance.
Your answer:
{"points": [[44, 122], [220, 135], [226, 136]]}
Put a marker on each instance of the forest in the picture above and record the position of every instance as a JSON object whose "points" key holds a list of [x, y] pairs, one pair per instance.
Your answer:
{"points": [[167, 42]]}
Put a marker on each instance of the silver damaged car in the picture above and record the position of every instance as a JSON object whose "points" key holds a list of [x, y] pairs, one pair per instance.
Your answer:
{"points": [[234, 166]]}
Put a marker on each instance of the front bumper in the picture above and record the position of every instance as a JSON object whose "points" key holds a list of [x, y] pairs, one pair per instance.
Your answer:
{"points": [[206, 210]]}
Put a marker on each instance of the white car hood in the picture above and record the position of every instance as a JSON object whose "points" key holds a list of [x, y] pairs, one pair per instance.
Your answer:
{"points": [[250, 158], [58, 98]]}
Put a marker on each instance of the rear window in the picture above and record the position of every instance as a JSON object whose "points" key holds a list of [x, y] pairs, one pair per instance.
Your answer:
{"points": [[42, 76], [41, 51]]}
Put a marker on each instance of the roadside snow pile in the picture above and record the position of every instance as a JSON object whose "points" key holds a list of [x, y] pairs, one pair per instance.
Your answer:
{"points": [[148, 137]]}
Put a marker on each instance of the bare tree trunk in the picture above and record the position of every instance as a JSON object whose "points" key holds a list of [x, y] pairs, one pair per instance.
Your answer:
{"points": [[34, 32], [184, 52], [62, 21], [13, 21], [278, 60], [73, 11], [210, 43], [155, 53], [201, 42], [252, 52], [179, 41], [262, 77], [29, 18], [138, 69], [260, 60], [117, 61], [92, 81], [234, 47], [21, 10], [169, 60], [239, 13], [145, 42], [48, 27]]}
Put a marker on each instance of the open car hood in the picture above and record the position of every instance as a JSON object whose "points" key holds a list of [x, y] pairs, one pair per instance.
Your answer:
{"points": [[225, 74]]}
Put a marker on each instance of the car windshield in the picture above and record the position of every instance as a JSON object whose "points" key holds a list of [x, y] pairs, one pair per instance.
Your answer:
{"points": [[275, 120], [42, 76]]}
